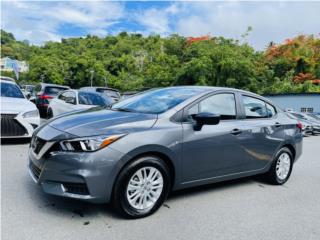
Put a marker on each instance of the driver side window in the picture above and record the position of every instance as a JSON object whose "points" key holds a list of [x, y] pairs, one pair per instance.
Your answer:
{"points": [[223, 104]]}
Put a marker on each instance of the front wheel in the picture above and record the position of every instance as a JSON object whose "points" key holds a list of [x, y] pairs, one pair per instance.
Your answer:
{"points": [[281, 168], [142, 187]]}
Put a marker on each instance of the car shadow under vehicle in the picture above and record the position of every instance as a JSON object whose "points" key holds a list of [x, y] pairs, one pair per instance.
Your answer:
{"points": [[218, 186], [77, 209]]}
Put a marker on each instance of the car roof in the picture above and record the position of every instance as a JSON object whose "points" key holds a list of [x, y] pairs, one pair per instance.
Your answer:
{"points": [[213, 89], [83, 91], [8, 81], [53, 85], [95, 87], [5, 78]]}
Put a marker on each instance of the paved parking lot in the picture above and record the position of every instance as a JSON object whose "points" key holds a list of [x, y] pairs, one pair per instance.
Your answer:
{"points": [[242, 209]]}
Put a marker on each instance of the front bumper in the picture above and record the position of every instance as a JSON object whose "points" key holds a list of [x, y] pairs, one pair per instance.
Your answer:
{"points": [[84, 176], [25, 126]]}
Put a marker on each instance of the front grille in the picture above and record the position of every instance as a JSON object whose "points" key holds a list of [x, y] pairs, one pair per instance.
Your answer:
{"points": [[10, 126], [37, 144], [76, 188], [35, 171]]}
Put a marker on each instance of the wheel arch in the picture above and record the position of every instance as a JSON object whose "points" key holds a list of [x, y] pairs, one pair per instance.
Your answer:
{"points": [[291, 148], [138, 153]]}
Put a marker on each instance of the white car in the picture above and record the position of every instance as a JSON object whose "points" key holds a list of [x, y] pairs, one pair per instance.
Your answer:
{"points": [[73, 100], [19, 116]]}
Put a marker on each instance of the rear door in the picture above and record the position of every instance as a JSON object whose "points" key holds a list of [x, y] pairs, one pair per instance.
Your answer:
{"points": [[215, 150], [66, 102], [57, 104], [262, 131]]}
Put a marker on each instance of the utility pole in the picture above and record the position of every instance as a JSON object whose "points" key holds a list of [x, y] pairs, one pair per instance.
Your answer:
{"points": [[92, 72], [105, 81], [42, 77]]}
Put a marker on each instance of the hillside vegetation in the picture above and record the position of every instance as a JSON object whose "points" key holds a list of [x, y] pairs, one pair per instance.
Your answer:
{"points": [[132, 61]]}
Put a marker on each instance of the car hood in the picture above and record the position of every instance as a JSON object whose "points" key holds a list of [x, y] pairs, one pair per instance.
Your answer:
{"points": [[97, 121], [16, 105]]}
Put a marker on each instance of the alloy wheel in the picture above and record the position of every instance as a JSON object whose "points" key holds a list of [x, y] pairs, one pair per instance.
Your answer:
{"points": [[144, 188], [283, 166]]}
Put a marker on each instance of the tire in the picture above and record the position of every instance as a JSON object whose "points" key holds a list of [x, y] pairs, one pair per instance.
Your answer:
{"points": [[273, 176], [50, 113], [130, 175]]}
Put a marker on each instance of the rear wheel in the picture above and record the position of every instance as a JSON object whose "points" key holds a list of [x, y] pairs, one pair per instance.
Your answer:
{"points": [[281, 168], [142, 187]]}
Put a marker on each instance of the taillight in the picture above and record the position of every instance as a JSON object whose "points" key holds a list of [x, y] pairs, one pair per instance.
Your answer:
{"points": [[299, 125], [45, 97]]}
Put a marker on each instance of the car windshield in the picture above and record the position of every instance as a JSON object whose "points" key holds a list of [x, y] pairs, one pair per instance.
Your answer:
{"points": [[157, 101], [10, 90], [88, 98]]}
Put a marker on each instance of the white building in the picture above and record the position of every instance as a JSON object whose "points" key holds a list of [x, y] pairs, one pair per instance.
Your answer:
{"points": [[6, 64], [299, 102]]}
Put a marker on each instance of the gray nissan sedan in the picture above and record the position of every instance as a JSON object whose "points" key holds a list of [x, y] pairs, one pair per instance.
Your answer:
{"points": [[136, 152]]}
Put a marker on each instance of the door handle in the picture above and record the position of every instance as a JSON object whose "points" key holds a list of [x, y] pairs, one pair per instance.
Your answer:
{"points": [[277, 124], [236, 131]]}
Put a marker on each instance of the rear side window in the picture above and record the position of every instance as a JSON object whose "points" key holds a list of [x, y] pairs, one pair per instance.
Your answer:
{"points": [[53, 90], [87, 98], [254, 108], [223, 104]]}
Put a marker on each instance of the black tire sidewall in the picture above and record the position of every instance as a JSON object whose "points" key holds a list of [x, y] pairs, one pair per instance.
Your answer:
{"points": [[49, 113], [120, 197]]}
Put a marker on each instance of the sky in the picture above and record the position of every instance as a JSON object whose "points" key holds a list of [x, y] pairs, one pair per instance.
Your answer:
{"points": [[41, 21]]}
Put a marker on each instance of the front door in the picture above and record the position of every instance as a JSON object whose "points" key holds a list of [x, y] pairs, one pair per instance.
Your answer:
{"points": [[215, 150]]}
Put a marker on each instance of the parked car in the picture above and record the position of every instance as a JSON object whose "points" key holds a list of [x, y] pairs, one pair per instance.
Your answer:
{"points": [[128, 94], [166, 139], [44, 93], [19, 117], [27, 90], [311, 126], [72, 100], [306, 125], [7, 78], [315, 116], [110, 92], [132, 93]]}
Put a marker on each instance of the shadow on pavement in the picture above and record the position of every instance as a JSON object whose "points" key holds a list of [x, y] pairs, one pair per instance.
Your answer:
{"points": [[189, 192], [71, 208], [77, 209]]}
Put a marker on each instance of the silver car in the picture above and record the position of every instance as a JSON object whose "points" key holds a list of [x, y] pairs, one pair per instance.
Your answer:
{"points": [[163, 140]]}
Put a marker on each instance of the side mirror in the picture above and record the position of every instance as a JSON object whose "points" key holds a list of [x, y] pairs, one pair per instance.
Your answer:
{"points": [[205, 118]]}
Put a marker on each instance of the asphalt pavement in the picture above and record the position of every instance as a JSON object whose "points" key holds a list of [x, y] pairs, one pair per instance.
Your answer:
{"points": [[242, 209]]}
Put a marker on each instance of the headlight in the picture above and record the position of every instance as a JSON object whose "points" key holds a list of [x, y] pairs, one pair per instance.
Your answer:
{"points": [[30, 114], [89, 144]]}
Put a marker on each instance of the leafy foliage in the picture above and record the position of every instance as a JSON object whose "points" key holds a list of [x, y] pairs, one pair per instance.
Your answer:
{"points": [[131, 61]]}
